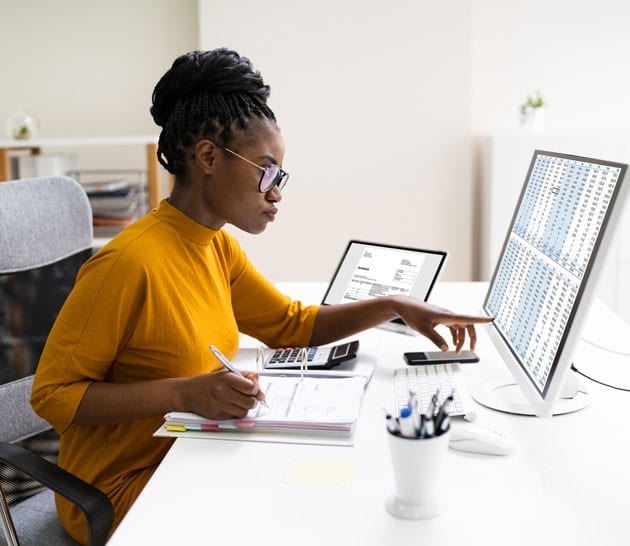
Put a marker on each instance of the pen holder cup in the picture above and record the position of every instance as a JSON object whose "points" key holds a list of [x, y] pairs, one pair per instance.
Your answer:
{"points": [[418, 465]]}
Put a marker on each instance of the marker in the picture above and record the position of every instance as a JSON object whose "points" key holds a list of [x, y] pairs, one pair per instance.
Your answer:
{"points": [[406, 424], [230, 367]]}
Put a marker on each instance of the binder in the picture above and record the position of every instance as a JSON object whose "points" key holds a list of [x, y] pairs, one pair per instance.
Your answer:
{"points": [[315, 407]]}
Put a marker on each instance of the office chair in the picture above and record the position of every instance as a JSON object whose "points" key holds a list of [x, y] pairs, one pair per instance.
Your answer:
{"points": [[45, 235]]}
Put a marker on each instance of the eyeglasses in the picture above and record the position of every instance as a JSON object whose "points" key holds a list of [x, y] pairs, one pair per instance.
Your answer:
{"points": [[272, 175]]}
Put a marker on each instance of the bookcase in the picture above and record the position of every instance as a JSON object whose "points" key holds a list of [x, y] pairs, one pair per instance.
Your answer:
{"points": [[38, 145]]}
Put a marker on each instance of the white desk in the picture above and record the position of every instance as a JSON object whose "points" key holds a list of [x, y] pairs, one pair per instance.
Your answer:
{"points": [[567, 482]]}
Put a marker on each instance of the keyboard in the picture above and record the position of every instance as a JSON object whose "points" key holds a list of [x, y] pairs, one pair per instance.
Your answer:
{"points": [[426, 380]]}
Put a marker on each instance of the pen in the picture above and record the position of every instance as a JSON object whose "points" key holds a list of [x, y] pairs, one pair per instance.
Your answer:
{"points": [[415, 411], [391, 424], [229, 366], [442, 420]]}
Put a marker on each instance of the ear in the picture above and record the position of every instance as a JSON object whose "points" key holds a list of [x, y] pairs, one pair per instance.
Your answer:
{"points": [[205, 155]]}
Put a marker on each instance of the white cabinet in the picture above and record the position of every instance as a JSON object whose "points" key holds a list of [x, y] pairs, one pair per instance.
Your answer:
{"points": [[504, 161]]}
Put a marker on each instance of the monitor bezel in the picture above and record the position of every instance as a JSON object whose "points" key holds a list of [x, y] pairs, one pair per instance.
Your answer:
{"points": [[542, 402]]}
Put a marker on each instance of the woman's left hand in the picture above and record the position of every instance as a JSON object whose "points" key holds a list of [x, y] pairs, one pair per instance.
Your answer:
{"points": [[424, 318]]}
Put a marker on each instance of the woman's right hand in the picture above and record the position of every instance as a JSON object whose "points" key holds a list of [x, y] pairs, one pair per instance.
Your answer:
{"points": [[221, 394]]}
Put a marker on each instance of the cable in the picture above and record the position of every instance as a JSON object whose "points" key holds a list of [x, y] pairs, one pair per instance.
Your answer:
{"points": [[596, 381]]}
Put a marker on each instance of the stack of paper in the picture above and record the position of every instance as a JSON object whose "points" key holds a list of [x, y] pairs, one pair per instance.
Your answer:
{"points": [[310, 405]]}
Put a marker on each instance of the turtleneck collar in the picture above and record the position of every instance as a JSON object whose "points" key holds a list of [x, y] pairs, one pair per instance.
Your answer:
{"points": [[187, 227]]}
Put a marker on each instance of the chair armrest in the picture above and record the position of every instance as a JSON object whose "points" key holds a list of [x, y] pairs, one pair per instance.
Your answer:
{"points": [[97, 508]]}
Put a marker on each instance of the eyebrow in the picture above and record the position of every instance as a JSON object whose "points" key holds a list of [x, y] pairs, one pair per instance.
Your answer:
{"points": [[267, 157]]}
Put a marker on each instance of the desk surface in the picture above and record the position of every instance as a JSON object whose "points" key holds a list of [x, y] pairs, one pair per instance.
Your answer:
{"points": [[567, 482]]}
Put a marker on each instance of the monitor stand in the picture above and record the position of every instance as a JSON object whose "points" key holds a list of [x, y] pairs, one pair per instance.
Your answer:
{"points": [[506, 396]]}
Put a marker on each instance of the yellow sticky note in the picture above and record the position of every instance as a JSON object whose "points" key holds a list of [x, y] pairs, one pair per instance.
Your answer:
{"points": [[320, 472]]}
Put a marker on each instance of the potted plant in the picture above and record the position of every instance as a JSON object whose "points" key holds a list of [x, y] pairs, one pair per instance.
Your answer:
{"points": [[532, 113]]}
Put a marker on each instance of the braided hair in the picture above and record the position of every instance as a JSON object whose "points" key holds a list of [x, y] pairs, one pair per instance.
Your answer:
{"points": [[207, 94]]}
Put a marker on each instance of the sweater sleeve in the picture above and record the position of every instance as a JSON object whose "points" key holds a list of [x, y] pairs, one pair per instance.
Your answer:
{"points": [[261, 310], [88, 332]]}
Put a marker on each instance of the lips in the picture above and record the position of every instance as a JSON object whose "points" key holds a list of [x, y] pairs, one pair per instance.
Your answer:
{"points": [[271, 213]]}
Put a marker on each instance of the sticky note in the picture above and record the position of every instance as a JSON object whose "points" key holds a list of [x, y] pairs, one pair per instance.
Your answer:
{"points": [[320, 472]]}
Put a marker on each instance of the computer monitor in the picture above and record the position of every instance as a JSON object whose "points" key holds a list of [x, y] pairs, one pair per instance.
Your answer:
{"points": [[545, 278]]}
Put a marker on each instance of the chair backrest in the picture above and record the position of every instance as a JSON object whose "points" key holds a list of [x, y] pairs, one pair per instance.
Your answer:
{"points": [[42, 221], [45, 236]]}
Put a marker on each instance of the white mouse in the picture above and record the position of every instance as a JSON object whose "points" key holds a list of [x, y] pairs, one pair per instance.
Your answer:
{"points": [[480, 440]]}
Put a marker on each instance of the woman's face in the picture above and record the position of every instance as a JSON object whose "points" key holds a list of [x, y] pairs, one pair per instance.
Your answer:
{"points": [[231, 194]]}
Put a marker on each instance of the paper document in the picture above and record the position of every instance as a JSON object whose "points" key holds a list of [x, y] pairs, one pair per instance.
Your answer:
{"points": [[328, 406]]}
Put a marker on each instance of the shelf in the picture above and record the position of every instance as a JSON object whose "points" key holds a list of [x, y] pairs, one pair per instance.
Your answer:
{"points": [[35, 146]]}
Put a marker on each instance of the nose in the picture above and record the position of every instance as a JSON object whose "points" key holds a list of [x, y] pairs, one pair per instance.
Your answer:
{"points": [[274, 194]]}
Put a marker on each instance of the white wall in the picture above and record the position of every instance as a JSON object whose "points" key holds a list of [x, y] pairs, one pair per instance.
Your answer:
{"points": [[574, 51], [373, 101], [88, 67], [379, 103]]}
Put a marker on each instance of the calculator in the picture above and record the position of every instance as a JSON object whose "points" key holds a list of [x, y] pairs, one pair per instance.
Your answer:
{"points": [[317, 358]]}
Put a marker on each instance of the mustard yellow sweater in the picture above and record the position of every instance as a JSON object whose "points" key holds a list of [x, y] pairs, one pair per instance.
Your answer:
{"points": [[147, 307]]}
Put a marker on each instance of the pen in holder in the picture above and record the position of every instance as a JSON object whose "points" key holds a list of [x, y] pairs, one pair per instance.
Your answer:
{"points": [[419, 454]]}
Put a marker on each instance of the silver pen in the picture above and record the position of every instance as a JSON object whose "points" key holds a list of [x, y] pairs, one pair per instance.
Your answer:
{"points": [[230, 367]]}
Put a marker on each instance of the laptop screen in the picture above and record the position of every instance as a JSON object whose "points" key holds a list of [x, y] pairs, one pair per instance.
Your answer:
{"points": [[368, 270]]}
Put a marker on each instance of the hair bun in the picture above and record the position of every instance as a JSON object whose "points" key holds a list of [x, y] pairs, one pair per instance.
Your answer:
{"points": [[217, 71]]}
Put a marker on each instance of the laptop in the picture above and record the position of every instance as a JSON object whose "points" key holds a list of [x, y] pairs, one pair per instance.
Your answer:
{"points": [[368, 270]]}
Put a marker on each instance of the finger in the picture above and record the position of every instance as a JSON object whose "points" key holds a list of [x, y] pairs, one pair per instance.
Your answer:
{"points": [[260, 396], [453, 320], [253, 376], [472, 334], [243, 385], [454, 335], [236, 412], [437, 339], [243, 403], [461, 337]]}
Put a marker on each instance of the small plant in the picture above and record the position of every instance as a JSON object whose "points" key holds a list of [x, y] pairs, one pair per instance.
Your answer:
{"points": [[533, 102]]}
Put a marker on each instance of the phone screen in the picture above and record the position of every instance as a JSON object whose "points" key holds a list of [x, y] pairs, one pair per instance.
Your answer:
{"points": [[439, 357]]}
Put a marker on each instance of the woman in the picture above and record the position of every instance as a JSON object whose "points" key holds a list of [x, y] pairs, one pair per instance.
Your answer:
{"points": [[131, 342]]}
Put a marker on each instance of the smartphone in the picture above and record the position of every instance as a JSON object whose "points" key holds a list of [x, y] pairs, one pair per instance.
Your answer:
{"points": [[439, 357]]}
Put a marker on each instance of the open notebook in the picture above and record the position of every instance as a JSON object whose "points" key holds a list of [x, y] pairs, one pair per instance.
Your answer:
{"points": [[310, 407]]}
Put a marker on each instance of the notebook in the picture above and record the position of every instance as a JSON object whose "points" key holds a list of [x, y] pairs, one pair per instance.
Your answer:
{"points": [[322, 409], [368, 270]]}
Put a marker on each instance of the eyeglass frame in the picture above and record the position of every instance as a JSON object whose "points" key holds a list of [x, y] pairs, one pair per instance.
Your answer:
{"points": [[280, 180]]}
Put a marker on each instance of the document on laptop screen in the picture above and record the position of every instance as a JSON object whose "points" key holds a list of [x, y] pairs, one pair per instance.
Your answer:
{"points": [[369, 270], [383, 272]]}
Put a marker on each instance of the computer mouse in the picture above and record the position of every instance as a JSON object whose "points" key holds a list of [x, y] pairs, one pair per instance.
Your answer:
{"points": [[480, 440]]}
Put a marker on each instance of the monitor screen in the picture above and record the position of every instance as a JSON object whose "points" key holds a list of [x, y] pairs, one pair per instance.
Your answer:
{"points": [[546, 270], [368, 270]]}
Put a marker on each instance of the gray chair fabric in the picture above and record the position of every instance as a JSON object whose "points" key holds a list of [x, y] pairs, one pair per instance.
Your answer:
{"points": [[36, 522], [19, 421], [42, 222]]}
